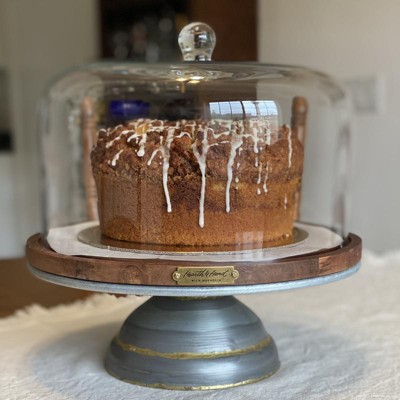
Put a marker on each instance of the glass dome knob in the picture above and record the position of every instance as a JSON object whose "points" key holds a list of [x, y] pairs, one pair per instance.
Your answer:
{"points": [[197, 41]]}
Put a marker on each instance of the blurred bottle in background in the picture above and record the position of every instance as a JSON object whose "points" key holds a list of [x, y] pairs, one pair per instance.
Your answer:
{"points": [[142, 31]]}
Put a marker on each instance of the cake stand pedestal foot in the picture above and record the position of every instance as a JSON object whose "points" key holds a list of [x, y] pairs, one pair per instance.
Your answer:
{"points": [[192, 343]]}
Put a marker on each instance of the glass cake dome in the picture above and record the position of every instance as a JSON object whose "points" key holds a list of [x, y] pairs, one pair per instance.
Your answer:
{"points": [[195, 156]]}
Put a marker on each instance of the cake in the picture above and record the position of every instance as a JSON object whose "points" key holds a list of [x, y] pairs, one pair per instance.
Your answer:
{"points": [[198, 183]]}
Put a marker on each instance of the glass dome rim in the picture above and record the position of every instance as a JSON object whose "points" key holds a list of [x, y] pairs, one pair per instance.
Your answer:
{"points": [[200, 65]]}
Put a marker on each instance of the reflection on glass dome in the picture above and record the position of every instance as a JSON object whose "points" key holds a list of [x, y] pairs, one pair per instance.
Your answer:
{"points": [[243, 109]]}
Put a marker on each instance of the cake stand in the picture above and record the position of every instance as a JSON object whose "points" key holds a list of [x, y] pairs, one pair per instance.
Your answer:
{"points": [[192, 334]]}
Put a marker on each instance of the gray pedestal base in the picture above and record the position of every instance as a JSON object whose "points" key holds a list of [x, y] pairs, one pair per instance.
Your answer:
{"points": [[192, 344]]}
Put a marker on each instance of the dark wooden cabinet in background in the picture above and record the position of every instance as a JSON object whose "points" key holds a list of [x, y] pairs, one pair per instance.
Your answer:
{"points": [[146, 30], [235, 24]]}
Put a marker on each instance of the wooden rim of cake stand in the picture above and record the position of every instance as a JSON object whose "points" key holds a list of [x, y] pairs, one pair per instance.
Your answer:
{"points": [[155, 276]]}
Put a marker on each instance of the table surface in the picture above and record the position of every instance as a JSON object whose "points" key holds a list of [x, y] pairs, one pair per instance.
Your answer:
{"points": [[19, 288]]}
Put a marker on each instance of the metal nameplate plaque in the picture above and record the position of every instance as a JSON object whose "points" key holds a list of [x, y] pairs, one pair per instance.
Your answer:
{"points": [[205, 276]]}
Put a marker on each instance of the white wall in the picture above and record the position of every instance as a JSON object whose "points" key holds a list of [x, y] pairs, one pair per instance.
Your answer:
{"points": [[38, 39], [351, 39], [9, 240]]}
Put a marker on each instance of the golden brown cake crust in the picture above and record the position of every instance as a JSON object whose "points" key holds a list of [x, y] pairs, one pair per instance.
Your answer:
{"points": [[194, 183]]}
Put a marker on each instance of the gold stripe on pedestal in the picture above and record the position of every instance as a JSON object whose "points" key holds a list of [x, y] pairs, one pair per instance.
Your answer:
{"points": [[190, 356], [178, 387]]}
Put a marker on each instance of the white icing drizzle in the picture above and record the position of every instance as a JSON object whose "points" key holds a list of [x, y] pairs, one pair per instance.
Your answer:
{"points": [[136, 123], [201, 159], [156, 128], [217, 135], [285, 202], [134, 136], [259, 178], [268, 135], [237, 140], [141, 139], [109, 144], [289, 137], [182, 134], [259, 173], [115, 159], [222, 122], [237, 170], [155, 152], [255, 142], [142, 142], [166, 154], [265, 188], [191, 126]]}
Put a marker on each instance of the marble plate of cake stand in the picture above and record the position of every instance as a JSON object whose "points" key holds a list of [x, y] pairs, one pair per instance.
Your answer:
{"points": [[192, 334]]}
